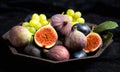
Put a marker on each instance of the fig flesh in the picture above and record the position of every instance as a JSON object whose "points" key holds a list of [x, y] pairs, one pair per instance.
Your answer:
{"points": [[94, 41], [46, 36]]}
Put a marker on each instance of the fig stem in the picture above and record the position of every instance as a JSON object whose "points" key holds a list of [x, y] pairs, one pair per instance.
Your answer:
{"points": [[63, 13], [74, 28], [93, 27], [65, 23]]}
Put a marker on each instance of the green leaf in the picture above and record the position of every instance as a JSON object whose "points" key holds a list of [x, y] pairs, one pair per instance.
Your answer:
{"points": [[105, 26], [107, 38]]}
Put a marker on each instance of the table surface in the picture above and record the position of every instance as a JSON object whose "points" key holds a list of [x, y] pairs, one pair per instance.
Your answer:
{"points": [[13, 12]]}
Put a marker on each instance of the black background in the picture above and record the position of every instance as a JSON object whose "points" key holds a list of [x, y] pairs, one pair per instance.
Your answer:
{"points": [[94, 11]]}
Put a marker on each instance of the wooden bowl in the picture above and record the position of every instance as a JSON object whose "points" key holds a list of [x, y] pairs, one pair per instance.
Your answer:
{"points": [[21, 55]]}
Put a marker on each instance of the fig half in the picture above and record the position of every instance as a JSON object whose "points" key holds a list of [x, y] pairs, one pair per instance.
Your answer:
{"points": [[94, 41], [46, 36]]}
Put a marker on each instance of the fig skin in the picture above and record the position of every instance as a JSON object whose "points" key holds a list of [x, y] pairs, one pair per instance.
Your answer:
{"points": [[32, 50], [19, 36], [76, 40], [84, 28], [62, 24], [58, 42], [58, 53]]}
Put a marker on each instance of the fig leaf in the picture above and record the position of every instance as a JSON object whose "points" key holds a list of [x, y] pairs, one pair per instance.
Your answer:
{"points": [[105, 26], [107, 38]]}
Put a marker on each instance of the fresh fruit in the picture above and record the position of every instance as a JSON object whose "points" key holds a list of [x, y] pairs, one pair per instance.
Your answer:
{"points": [[61, 24], [70, 12], [70, 17], [80, 20], [19, 36], [75, 16], [35, 23], [61, 37], [25, 24], [32, 30], [58, 53], [79, 54], [83, 28], [43, 19], [46, 36], [59, 42], [32, 50], [76, 40], [35, 16], [94, 41]]}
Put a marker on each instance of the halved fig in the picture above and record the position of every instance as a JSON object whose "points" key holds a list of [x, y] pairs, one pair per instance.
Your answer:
{"points": [[46, 36], [94, 41]]}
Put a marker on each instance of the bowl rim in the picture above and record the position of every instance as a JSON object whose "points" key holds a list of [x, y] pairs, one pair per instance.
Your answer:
{"points": [[97, 54]]}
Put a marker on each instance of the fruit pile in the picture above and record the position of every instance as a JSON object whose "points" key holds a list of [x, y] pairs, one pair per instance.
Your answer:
{"points": [[61, 37], [35, 22], [75, 16]]}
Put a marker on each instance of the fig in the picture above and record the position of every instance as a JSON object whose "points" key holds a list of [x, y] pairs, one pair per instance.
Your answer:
{"points": [[46, 36], [32, 50], [58, 53], [94, 41], [59, 42], [61, 23], [19, 36], [76, 40], [79, 54], [83, 28]]}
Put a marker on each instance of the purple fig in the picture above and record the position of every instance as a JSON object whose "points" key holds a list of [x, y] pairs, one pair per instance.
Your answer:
{"points": [[58, 53], [76, 40], [61, 23], [30, 49], [19, 36]]}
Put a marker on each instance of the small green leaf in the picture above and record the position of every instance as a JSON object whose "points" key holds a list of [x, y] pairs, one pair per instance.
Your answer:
{"points": [[105, 26], [107, 38]]}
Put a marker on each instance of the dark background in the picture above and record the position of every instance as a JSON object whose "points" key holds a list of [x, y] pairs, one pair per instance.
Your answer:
{"points": [[12, 12]]}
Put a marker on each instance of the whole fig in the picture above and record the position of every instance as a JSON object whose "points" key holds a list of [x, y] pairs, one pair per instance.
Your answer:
{"points": [[61, 23], [76, 40], [19, 36], [32, 50], [58, 53], [58, 42]]}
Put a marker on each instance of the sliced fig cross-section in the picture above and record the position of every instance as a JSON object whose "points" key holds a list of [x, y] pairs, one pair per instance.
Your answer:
{"points": [[94, 41], [46, 36]]}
